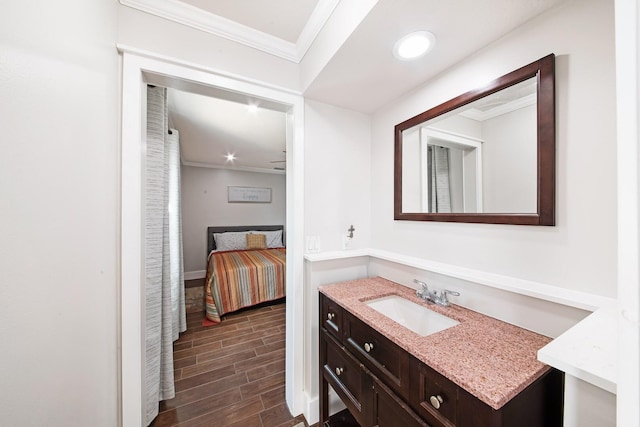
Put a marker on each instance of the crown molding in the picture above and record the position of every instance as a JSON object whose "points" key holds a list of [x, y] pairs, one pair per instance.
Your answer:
{"points": [[314, 25], [235, 168], [186, 14], [481, 116]]}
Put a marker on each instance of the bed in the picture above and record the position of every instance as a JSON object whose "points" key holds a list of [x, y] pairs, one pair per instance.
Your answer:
{"points": [[246, 266]]}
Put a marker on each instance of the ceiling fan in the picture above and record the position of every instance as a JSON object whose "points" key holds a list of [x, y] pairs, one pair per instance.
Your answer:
{"points": [[279, 168]]}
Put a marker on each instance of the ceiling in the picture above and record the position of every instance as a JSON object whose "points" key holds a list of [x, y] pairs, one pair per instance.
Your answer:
{"points": [[211, 128], [362, 75], [264, 16]]}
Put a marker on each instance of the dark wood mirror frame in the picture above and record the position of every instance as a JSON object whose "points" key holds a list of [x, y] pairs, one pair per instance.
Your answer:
{"points": [[544, 70]]}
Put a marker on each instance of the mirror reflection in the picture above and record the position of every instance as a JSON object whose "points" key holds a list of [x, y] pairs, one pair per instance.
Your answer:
{"points": [[486, 156], [479, 158]]}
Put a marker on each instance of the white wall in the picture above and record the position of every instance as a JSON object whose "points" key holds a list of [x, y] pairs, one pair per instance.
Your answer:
{"points": [[337, 195], [580, 251], [470, 184], [59, 177], [456, 180], [337, 175], [628, 143], [509, 154], [58, 189], [204, 204], [413, 174], [588, 406]]}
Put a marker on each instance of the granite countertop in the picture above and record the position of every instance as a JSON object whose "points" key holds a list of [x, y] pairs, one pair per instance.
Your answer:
{"points": [[490, 359]]}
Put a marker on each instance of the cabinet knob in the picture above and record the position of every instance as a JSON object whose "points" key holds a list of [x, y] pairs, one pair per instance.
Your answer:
{"points": [[339, 371], [330, 316], [368, 347], [436, 401]]}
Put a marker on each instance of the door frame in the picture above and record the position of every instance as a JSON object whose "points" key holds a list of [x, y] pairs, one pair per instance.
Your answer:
{"points": [[140, 68]]}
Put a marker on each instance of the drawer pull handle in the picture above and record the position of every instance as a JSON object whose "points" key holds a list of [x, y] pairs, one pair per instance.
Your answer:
{"points": [[330, 316], [339, 371], [436, 401], [368, 347]]}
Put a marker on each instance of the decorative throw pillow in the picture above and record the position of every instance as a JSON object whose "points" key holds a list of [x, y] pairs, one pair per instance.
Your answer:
{"points": [[256, 241], [274, 238], [231, 241]]}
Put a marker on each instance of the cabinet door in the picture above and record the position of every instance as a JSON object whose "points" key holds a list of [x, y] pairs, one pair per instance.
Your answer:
{"points": [[384, 358], [348, 380], [331, 317], [434, 397], [390, 411], [538, 405]]}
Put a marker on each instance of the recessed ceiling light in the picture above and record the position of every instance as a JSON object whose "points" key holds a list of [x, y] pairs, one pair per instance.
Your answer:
{"points": [[231, 157], [414, 45]]}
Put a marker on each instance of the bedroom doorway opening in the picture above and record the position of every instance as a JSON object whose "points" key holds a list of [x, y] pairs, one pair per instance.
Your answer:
{"points": [[138, 72]]}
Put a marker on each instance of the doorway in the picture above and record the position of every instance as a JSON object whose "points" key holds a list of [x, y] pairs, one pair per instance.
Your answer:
{"points": [[139, 71]]}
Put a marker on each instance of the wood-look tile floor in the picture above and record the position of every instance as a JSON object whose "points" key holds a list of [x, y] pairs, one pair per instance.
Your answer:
{"points": [[230, 374]]}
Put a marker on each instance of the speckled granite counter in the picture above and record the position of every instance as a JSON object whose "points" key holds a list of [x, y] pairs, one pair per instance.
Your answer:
{"points": [[491, 359]]}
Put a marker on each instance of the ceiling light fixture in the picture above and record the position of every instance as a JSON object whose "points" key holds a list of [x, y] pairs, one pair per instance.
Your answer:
{"points": [[231, 157], [414, 45], [253, 108]]}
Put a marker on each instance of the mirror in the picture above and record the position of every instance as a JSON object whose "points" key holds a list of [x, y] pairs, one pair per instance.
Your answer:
{"points": [[487, 156]]}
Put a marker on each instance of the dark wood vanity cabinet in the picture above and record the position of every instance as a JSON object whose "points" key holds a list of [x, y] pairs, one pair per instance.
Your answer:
{"points": [[347, 378], [384, 386], [541, 404], [367, 371], [381, 356], [443, 404]]}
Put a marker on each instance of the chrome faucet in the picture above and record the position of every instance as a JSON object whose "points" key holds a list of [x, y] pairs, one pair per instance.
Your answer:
{"points": [[434, 296]]}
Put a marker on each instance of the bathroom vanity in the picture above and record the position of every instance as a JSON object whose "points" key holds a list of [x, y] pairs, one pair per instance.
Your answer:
{"points": [[475, 372]]}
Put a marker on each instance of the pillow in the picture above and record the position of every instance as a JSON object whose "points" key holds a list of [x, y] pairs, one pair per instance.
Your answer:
{"points": [[256, 241], [231, 240], [274, 238]]}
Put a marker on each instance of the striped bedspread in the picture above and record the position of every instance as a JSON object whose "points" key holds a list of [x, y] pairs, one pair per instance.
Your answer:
{"points": [[237, 279]]}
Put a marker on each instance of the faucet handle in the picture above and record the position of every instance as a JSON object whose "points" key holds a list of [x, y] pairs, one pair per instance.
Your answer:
{"points": [[422, 293], [443, 296], [421, 283]]}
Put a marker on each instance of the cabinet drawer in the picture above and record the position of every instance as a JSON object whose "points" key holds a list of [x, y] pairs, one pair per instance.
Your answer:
{"points": [[436, 397], [385, 359], [331, 317], [347, 379]]}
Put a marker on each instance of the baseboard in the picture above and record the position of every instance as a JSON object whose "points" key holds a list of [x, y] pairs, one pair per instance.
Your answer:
{"points": [[312, 414], [191, 275]]}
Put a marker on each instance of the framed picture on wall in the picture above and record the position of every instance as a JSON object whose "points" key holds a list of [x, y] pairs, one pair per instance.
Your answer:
{"points": [[249, 195]]}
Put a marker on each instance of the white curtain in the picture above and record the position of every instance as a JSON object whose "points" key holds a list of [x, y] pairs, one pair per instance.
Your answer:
{"points": [[165, 308], [439, 189]]}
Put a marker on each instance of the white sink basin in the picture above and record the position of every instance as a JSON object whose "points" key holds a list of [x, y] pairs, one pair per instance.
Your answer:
{"points": [[419, 319]]}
